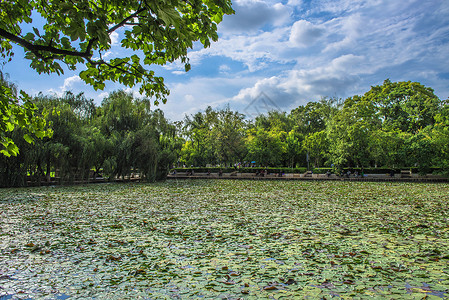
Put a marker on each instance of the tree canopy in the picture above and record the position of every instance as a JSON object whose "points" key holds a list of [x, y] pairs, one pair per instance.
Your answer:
{"points": [[79, 32]]}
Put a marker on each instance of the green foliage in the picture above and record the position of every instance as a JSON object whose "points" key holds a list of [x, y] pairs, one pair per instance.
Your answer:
{"points": [[317, 145], [420, 151], [124, 137], [229, 134], [389, 125], [313, 117], [80, 32], [226, 239], [214, 137], [440, 136], [294, 144], [266, 148], [140, 140], [406, 106], [119, 138], [18, 111], [395, 125], [349, 132]]}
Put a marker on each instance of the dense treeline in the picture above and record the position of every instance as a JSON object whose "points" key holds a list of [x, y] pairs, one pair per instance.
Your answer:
{"points": [[395, 125], [116, 139]]}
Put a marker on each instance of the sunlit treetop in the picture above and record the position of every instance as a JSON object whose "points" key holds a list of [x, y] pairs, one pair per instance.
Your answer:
{"points": [[79, 32]]}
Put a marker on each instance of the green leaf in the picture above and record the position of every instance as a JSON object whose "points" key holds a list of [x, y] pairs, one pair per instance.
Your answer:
{"points": [[169, 16], [29, 37], [36, 31], [28, 138], [9, 126]]}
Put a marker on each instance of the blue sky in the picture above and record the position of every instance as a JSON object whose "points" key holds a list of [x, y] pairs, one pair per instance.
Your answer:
{"points": [[291, 52]]}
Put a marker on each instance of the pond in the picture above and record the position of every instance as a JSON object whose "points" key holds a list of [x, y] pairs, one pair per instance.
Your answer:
{"points": [[225, 239]]}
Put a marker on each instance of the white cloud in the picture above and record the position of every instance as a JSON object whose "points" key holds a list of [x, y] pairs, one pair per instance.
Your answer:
{"points": [[343, 6], [197, 93], [189, 99], [297, 87], [70, 82], [75, 85], [253, 51], [52, 91], [108, 54], [304, 33], [102, 95], [295, 2], [252, 15], [195, 59], [134, 92], [114, 38], [224, 69], [282, 14], [344, 31], [339, 53]]}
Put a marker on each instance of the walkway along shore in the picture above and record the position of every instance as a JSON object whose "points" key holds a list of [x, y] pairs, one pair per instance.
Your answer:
{"points": [[308, 176], [312, 177]]}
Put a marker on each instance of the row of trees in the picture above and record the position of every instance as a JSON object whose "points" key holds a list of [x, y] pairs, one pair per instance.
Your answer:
{"points": [[118, 138], [394, 125]]}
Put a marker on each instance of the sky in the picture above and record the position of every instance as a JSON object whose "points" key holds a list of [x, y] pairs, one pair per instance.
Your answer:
{"points": [[278, 55]]}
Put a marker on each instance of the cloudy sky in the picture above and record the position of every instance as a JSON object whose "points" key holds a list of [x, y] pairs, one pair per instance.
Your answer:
{"points": [[276, 54]]}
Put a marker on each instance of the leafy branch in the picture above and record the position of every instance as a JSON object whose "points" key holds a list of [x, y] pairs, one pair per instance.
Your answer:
{"points": [[35, 49]]}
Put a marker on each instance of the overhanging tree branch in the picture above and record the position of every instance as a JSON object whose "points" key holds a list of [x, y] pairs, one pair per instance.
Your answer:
{"points": [[36, 48], [86, 54], [123, 22]]}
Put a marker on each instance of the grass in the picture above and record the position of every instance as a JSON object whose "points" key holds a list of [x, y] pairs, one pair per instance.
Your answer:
{"points": [[226, 239]]}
